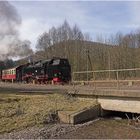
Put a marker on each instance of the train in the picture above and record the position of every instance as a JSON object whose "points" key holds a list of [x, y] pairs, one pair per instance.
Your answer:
{"points": [[56, 70]]}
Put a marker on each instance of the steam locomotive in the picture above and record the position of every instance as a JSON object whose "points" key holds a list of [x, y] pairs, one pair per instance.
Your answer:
{"points": [[55, 69]]}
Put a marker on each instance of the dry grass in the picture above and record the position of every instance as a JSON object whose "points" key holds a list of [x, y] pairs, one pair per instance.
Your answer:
{"points": [[20, 111]]}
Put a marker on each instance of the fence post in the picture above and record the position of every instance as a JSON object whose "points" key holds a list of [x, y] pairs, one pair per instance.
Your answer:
{"points": [[109, 75], [117, 80], [72, 77], [94, 80]]}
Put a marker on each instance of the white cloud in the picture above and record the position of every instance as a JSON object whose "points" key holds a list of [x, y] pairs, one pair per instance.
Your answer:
{"points": [[93, 17], [30, 29], [40, 17], [134, 8]]}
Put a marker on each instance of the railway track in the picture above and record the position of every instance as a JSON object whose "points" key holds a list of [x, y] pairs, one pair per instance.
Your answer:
{"points": [[125, 91]]}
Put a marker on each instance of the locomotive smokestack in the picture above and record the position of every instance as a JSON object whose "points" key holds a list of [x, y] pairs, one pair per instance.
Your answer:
{"points": [[10, 44]]}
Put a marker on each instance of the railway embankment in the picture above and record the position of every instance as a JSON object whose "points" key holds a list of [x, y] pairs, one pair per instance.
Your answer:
{"points": [[126, 99]]}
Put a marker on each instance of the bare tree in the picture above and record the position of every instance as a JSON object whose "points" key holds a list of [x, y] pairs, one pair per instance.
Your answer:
{"points": [[44, 41], [53, 33], [77, 34]]}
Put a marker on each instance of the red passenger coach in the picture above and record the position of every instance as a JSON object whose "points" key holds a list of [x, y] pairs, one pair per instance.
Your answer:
{"points": [[9, 74]]}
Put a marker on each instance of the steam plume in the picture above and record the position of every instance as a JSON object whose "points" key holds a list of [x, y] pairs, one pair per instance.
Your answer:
{"points": [[10, 44]]}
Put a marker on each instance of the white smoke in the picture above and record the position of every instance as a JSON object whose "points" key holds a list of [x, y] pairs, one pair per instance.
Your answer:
{"points": [[10, 44]]}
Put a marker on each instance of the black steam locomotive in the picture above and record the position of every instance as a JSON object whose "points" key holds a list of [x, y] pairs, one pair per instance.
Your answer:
{"points": [[55, 70]]}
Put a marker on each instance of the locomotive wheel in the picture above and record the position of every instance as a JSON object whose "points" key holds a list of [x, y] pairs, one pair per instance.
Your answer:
{"points": [[30, 81]]}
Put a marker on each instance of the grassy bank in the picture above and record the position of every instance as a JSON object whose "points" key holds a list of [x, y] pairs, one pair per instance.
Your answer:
{"points": [[21, 111]]}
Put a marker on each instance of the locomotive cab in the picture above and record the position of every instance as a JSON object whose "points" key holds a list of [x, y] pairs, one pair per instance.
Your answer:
{"points": [[59, 70]]}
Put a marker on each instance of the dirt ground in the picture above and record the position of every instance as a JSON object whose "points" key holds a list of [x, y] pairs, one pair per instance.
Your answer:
{"points": [[97, 129], [104, 129]]}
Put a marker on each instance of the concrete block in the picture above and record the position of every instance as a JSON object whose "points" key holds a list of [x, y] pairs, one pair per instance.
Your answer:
{"points": [[120, 104], [104, 112], [85, 115], [80, 116], [64, 116]]}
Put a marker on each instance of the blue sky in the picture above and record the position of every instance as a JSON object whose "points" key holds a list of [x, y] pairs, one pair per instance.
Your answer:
{"points": [[94, 17]]}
